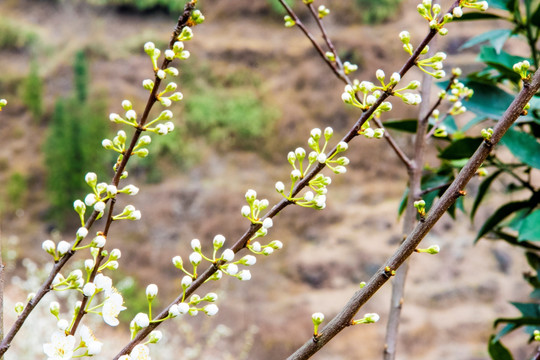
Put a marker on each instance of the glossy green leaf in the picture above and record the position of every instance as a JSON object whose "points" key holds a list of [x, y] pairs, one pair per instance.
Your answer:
{"points": [[496, 38], [535, 18], [523, 146], [499, 215], [405, 125], [488, 100], [474, 121], [508, 5], [497, 350], [512, 240], [501, 61], [530, 227], [482, 190], [460, 149]]}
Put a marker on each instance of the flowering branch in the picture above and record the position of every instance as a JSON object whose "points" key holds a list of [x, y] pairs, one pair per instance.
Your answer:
{"points": [[64, 257], [344, 318]]}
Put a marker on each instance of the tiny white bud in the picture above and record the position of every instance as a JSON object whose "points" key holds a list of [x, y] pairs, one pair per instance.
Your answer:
{"points": [[280, 187], [195, 258], [49, 246], [267, 223], [141, 320], [227, 255], [196, 245], [211, 309], [63, 247], [82, 232], [151, 291], [89, 289]]}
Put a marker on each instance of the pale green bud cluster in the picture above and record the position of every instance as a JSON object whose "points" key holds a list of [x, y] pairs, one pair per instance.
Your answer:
{"points": [[197, 17], [420, 206], [319, 183], [323, 11], [289, 21], [487, 133], [348, 67], [405, 38], [522, 68], [435, 63], [370, 94], [441, 132]]}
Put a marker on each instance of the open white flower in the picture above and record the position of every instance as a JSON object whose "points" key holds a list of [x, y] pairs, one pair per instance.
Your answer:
{"points": [[112, 307], [140, 352], [61, 346], [92, 344]]}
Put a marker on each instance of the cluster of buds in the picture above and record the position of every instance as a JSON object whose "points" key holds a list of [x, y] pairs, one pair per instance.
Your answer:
{"points": [[487, 133], [420, 206], [369, 95], [434, 62], [110, 308], [405, 38], [347, 66], [323, 11], [320, 182], [522, 68], [289, 21], [254, 207]]}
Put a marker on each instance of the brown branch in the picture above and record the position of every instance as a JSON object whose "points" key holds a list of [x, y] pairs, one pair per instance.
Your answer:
{"points": [[415, 184], [343, 319], [46, 286]]}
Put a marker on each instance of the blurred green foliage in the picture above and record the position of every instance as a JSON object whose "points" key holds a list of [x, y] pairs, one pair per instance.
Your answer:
{"points": [[75, 133], [15, 36], [228, 118], [32, 92], [374, 12]]}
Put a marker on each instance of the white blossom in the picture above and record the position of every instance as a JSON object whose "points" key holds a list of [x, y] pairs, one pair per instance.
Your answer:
{"points": [[112, 306], [61, 346]]}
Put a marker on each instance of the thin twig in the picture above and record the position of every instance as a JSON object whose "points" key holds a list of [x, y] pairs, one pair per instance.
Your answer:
{"points": [[343, 319], [434, 188], [338, 70]]}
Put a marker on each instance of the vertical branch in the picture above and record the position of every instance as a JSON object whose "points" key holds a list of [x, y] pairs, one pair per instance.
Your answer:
{"points": [[415, 179]]}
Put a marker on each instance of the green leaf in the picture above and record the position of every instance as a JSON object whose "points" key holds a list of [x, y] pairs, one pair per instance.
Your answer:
{"points": [[496, 38], [499, 215], [533, 260], [530, 227], [460, 149], [501, 61], [497, 350], [508, 5], [512, 240], [528, 309], [406, 125], [535, 18], [482, 190], [488, 100], [523, 146]]}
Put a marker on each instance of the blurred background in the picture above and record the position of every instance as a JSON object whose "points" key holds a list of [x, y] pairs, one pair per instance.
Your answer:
{"points": [[253, 90]]}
